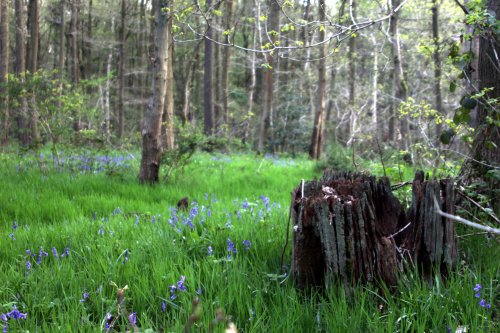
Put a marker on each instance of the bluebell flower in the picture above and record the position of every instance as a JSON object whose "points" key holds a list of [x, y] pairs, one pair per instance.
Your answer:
{"points": [[193, 212], [85, 296], [3, 317], [189, 223], [117, 211], [4, 329], [247, 244], [16, 314], [210, 251], [483, 304], [125, 257], [15, 225], [206, 196], [163, 306], [12, 236], [28, 265], [265, 200], [238, 213], [132, 319], [54, 252], [245, 204], [65, 252], [477, 295], [230, 248], [478, 287], [173, 288], [209, 212], [199, 291], [101, 230], [180, 283]]}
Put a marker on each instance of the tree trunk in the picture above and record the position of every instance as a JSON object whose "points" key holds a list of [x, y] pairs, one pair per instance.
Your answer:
{"points": [[152, 147], [22, 110], [107, 88], [121, 69], [375, 120], [317, 134], [437, 65], [399, 87], [169, 98], [62, 35], [268, 77], [207, 79], [485, 148], [74, 32], [351, 228], [4, 68], [33, 28], [226, 61], [353, 59]]}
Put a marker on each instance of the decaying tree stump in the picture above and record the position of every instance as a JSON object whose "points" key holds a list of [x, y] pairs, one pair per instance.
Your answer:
{"points": [[351, 227]]}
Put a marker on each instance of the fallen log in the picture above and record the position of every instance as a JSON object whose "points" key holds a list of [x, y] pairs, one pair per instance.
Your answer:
{"points": [[351, 227]]}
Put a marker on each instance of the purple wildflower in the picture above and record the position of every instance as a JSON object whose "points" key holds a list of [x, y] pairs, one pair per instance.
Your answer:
{"points": [[85, 296], [209, 212], [180, 283], [132, 319], [265, 200], [478, 287], [117, 211], [483, 304], [65, 252], [12, 236], [230, 248], [3, 316], [28, 265], [101, 230], [477, 295], [199, 291], [172, 292], [163, 306], [247, 244], [245, 204], [210, 251], [16, 314], [206, 196], [4, 329], [54, 252], [15, 225], [193, 212], [189, 223]]}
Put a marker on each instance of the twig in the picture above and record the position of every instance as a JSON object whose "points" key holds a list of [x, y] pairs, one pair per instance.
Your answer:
{"points": [[465, 196], [464, 221], [462, 6], [398, 186]]}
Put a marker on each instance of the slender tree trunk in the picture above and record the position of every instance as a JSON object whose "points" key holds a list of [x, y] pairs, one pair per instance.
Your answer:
{"points": [[268, 76], [399, 87], [87, 43], [4, 69], [152, 147], [107, 88], [33, 28], [74, 32], [226, 62], [437, 65], [207, 80], [375, 120], [352, 82], [169, 97], [121, 69], [22, 111], [317, 134], [62, 36]]}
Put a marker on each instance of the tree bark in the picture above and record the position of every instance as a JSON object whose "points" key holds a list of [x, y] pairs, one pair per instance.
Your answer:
{"points": [[226, 61], [353, 59], [62, 35], [268, 76], [4, 68], [74, 32], [317, 134], [22, 110], [152, 147], [121, 69], [207, 79], [485, 147], [34, 29], [169, 98], [437, 65], [351, 228]]}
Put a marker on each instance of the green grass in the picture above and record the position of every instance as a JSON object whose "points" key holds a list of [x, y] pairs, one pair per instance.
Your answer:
{"points": [[136, 245]]}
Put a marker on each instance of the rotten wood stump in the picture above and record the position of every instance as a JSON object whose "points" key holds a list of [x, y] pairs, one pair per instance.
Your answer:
{"points": [[351, 227]]}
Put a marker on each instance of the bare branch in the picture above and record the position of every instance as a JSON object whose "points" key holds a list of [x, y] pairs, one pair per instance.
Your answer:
{"points": [[464, 221]]}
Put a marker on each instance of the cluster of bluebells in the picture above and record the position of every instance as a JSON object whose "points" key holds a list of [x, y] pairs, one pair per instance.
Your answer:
{"points": [[179, 286], [482, 302], [15, 314], [38, 257]]}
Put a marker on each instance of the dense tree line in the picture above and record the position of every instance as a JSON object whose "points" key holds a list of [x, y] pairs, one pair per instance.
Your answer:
{"points": [[279, 76]]}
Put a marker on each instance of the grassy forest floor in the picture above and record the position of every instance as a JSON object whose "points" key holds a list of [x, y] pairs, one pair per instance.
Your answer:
{"points": [[72, 237]]}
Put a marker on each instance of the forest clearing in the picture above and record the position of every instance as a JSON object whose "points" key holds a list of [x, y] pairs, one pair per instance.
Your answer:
{"points": [[249, 166]]}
